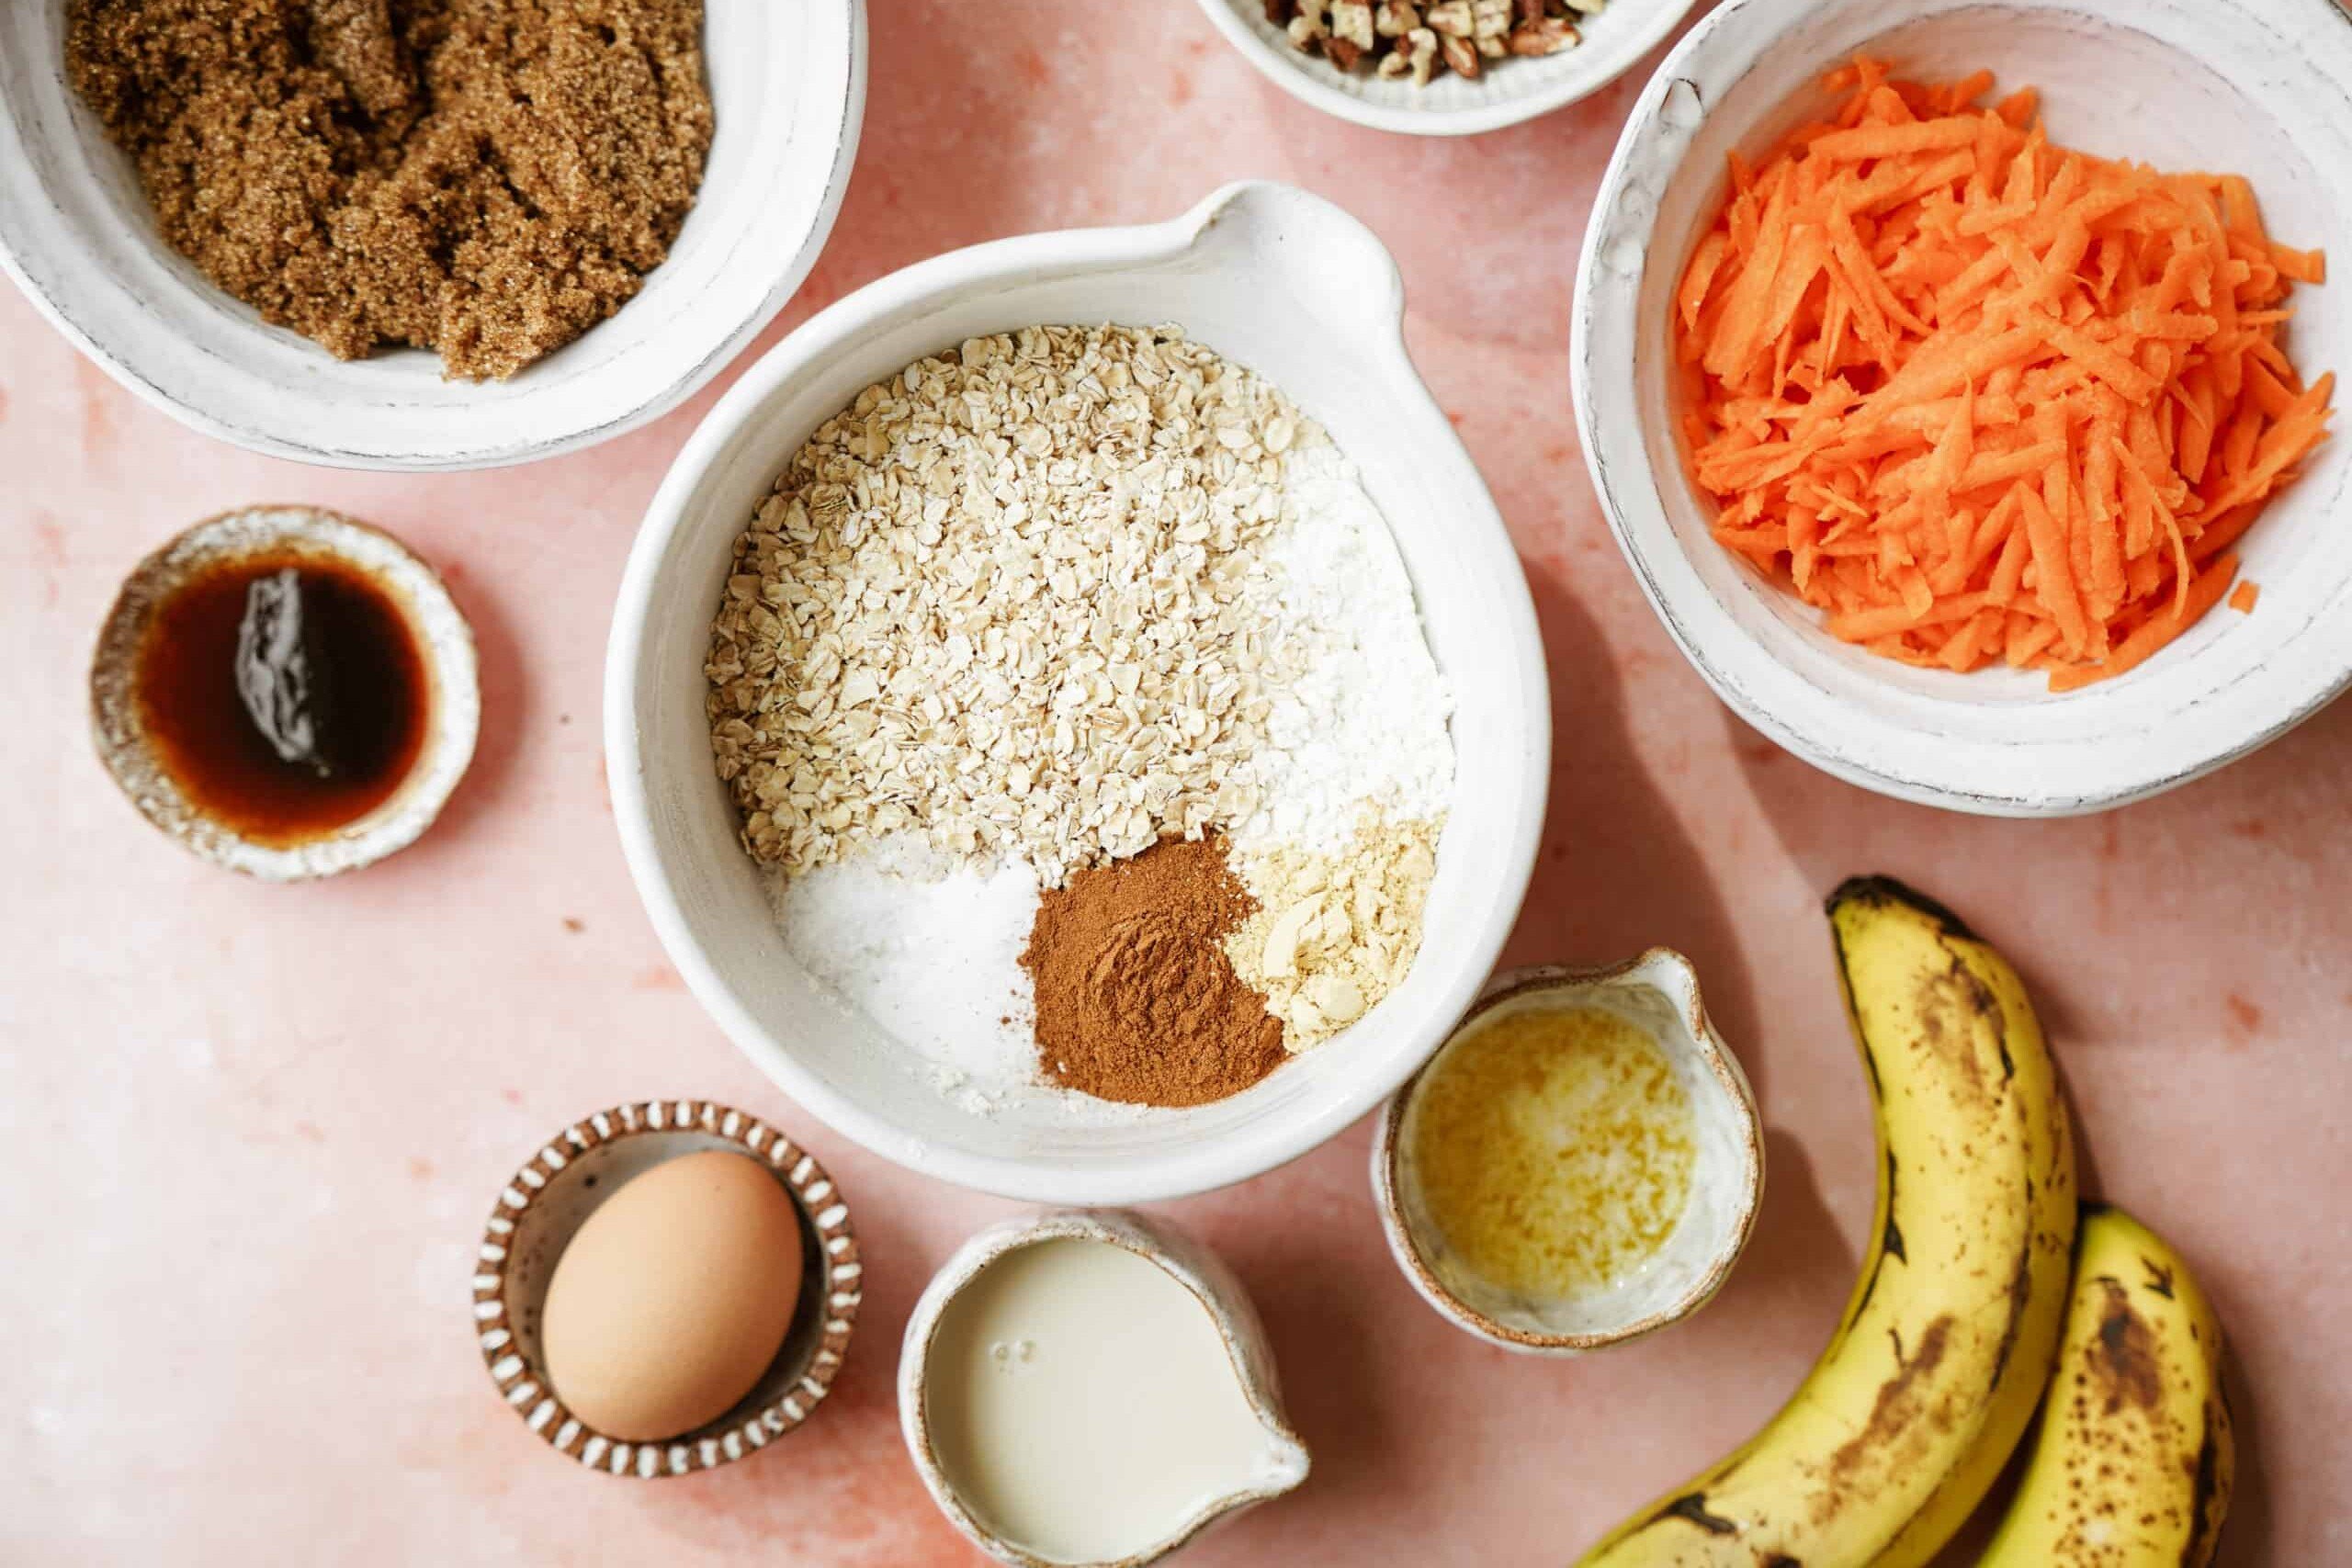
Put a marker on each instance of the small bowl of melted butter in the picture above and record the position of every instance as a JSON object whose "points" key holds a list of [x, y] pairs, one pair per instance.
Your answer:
{"points": [[1580, 1163], [286, 692]]}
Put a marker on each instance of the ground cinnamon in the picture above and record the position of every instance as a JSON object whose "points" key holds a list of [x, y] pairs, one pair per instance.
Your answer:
{"points": [[1137, 1000]]}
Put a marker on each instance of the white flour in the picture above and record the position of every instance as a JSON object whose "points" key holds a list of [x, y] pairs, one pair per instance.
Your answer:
{"points": [[1365, 725], [928, 948]]}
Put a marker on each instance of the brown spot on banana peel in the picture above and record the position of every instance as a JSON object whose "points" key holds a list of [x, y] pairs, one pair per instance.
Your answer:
{"points": [[1869, 1065], [1890, 1243], [1951, 1415], [2020, 1293], [2209, 1506], [1882, 1426], [2125, 1363], [1990, 1006], [1853, 1014], [1894, 1410], [1881, 891], [1691, 1508], [1893, 1237], [2159, 1277], [1958, 990]]}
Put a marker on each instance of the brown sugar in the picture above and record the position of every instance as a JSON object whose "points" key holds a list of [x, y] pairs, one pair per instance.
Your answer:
{"points": [[1137, 1000], [488, 178]]}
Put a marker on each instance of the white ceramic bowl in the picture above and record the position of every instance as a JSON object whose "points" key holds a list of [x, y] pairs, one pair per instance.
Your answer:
{"points": [[1510, 92], [1283, 282], [2260, 87], [788, 83], [1658, 994], [1194, 1266]]}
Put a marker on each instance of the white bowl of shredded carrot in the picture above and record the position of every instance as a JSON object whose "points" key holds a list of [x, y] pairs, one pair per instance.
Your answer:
{"points": [[1955, 378]]}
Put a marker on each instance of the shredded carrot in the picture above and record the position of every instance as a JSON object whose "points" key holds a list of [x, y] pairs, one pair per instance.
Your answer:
{"points": [[2242, 598], [1981, 398], [2153, 633]]}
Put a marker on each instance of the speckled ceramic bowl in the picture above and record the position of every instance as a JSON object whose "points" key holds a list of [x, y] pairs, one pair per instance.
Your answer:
{"points": [[788, 83], [1200, 1270], [1509, 92], [1287, 284], [538, 1213], [2260, 87], [1658, 993], [446, 643]]}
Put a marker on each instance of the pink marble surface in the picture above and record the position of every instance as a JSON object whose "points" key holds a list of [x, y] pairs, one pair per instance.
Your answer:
{"points": [[252, 1132]]}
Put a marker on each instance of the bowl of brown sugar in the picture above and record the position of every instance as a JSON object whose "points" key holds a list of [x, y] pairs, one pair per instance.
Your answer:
{"points": [[432, 234]]}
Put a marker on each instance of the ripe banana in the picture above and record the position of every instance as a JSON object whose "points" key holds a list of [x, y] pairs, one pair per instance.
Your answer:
{"points": [[2136, 1458], [1909, 1415]]}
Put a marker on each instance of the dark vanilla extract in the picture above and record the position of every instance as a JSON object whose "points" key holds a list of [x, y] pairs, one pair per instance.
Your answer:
{"points": [[284, 694]]}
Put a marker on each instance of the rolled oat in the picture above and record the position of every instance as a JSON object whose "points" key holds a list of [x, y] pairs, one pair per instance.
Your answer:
{"points": [[998, 601]]}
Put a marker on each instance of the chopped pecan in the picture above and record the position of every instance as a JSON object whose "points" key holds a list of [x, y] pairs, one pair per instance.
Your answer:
{"points": [[1352, 21], [1422, 43], [1421, 38], [1450, 18], [1549, 36], [1306, 30]]}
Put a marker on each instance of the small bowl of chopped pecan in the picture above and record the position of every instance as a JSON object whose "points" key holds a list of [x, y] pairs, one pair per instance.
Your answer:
{"points": [[1444, 67]]}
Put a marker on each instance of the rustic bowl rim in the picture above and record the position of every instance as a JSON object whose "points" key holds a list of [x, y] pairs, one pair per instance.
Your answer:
{"points": [[1526, 90], [523, 1384], [1673, 977]]}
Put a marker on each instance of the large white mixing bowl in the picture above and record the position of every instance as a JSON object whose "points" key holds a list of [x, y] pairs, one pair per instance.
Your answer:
{"points": [[1276, 279]]}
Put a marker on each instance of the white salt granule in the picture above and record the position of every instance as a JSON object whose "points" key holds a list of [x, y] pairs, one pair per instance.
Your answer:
{"points": [[927, 948]]}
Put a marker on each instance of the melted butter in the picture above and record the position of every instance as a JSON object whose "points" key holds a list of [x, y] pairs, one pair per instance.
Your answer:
{"points": [[1554, 1150], [1082, 1405]]}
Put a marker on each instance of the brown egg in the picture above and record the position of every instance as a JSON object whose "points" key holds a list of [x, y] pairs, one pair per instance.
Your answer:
{"points": [[673, 1298]]}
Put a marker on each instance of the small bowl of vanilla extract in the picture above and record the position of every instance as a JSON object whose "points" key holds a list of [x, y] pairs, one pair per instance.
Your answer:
{"points": [[286, 692]]}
